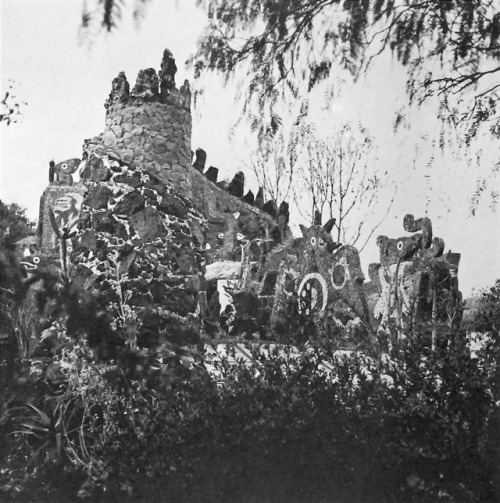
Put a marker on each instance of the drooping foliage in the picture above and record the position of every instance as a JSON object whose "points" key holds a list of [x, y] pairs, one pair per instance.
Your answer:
{"points": [[448, 48], [451, 48], [11, 106]]}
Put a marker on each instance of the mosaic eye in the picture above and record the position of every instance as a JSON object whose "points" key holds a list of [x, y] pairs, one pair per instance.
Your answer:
{"points": [[313, 241], [338, 276], [36, 260], [400, 245]]}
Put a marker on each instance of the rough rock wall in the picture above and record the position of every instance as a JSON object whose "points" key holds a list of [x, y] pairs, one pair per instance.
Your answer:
{"points": [[151, 124], [139, 242], [231, 221], [150, 222], [311, 278], [141, 246], [416, 282]]}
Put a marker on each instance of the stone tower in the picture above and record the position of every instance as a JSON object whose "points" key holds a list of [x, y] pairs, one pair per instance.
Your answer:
{"points": [[150, 125]]}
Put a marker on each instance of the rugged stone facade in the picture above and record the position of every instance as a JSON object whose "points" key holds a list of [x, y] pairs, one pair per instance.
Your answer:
{"points": [[164, 241], [141, 246], [308, 278], [151, 124], [59, 210], [415, 281]]}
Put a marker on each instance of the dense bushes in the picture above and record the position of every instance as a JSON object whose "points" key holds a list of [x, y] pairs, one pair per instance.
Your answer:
{"points": [[103, 420], [407, 424]]}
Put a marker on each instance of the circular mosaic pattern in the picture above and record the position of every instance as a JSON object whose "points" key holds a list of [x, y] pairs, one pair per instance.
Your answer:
{"points": [[312, 294]]}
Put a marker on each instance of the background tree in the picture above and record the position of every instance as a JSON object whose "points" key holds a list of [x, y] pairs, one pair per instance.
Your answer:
{"points": [[14, 224], [291, 45], [340, 175], [10, 106], [275, 139], [284, 49]]}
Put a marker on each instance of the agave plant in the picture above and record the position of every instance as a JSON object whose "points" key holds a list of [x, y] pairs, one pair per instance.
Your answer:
{"points": [[46, 430]]}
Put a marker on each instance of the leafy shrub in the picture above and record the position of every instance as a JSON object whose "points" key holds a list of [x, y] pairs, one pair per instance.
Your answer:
{"points": [[282, 425], [396, 422]]}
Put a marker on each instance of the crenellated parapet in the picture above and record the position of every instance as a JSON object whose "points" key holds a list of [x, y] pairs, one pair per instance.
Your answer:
{"points": [[150, 124], [233, 216]]}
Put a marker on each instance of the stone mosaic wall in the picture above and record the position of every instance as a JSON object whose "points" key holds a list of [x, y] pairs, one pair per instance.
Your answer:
{"points": [[151, 124], [64, 202], [310, 278], [232, 223], [416, 282], [177, 238], [141, 245]]}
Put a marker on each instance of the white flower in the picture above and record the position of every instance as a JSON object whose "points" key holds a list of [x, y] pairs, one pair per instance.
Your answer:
{"points": [[387, 380]]}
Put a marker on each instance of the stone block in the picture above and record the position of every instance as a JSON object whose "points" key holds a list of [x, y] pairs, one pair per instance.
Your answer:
{"points": [[98, 197], [109, 139], [131, 203], [117, 130], [172, 205], [129, 155], [178, 168], [87, 240], [104, 222], [133, 180], [147, 223], [161, 148], [95, 171]]}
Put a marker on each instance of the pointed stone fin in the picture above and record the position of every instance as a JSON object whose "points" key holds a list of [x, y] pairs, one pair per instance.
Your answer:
{"points": [[212, 173], [249, 198], [237, 185]]}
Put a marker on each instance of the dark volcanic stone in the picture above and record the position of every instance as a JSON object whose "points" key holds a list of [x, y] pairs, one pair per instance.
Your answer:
{"points": [[119, 90], [172, 205], [212, 173], [272, 208], [249, 198], [146, 86], [201, 158], [167, 73], [104, 222], [131, 203], [259, 198], [246, 303], [179, 301], [148, 224], [186, 261], [98, 198], [95, 171], [132, 180], [88, 240], [237, 185]]}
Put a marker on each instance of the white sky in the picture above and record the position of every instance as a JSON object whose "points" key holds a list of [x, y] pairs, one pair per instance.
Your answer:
{"points": [[66, 84]]}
